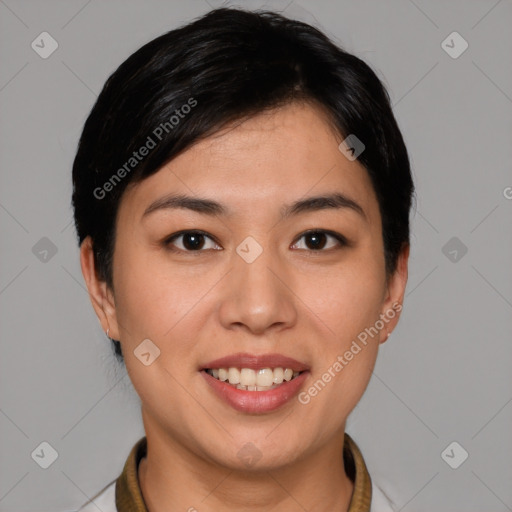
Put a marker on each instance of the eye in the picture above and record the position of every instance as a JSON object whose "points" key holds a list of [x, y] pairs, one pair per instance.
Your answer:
{"points": [[189, 241], [318, 239], [196, 241]]}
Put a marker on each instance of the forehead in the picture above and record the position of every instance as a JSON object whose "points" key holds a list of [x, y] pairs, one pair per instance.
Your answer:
{"points": [[274, 157]]}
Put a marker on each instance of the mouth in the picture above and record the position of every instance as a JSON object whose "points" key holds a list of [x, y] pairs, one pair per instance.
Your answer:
{"points": [[255, 383], [248, 379]]}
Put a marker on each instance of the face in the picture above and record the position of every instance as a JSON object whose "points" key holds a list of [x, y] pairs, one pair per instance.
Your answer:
{"points": [[249, 277]]}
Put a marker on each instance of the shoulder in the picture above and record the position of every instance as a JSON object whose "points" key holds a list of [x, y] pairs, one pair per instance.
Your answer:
{"points": [[105, 500], [380, 500]]}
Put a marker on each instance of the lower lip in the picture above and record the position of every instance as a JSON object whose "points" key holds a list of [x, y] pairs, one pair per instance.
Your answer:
{"points": [[256, 401]]}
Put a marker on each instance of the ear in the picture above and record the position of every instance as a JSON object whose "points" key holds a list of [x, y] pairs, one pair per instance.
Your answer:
{"points": [[395, 291], [102, 297]]}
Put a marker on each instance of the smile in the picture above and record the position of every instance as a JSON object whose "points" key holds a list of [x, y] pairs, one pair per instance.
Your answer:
{"points": [[249, 379]]}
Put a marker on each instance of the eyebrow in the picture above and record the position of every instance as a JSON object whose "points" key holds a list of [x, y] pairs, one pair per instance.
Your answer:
{"points": [[210, 207]]}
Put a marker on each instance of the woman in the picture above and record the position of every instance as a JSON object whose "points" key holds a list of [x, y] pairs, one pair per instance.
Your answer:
{"points": [[241, 197]]}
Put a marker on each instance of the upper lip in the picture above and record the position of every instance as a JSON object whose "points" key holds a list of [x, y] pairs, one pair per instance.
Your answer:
{"points": [[245, 360]]}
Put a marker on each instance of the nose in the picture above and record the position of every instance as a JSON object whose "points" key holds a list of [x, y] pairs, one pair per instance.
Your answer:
{"points": [[257, 296]]}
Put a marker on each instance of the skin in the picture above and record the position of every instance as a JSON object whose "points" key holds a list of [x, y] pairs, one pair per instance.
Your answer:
{"points": [[198, 306]]}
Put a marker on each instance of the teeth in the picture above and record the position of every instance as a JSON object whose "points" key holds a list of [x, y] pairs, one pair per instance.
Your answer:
{"points": [[247, 377], [255, 388], [234, 376], [264, 377], [254, 380], [278, 375]]}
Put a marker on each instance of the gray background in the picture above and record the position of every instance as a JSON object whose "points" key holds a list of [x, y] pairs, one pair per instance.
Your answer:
{"points": [[443, 375]]}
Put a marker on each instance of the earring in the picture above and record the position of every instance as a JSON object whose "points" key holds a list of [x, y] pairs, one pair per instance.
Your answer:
{"points": [[108, 335]]}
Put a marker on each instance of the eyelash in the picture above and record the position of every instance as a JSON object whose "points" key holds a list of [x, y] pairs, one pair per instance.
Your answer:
{"points": [[342, 241]]}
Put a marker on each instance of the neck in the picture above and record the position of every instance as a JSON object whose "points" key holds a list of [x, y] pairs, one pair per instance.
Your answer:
{"points": [[173, 478]]}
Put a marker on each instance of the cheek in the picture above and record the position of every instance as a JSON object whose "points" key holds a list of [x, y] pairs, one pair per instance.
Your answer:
{"points": [[153, 304], [346, 303], [345, 300], [147, 302], [168, 306]]}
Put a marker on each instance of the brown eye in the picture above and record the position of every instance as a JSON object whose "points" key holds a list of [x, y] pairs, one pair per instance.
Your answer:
{"points": [[190, 241], [193, 241], [319, 239]]}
